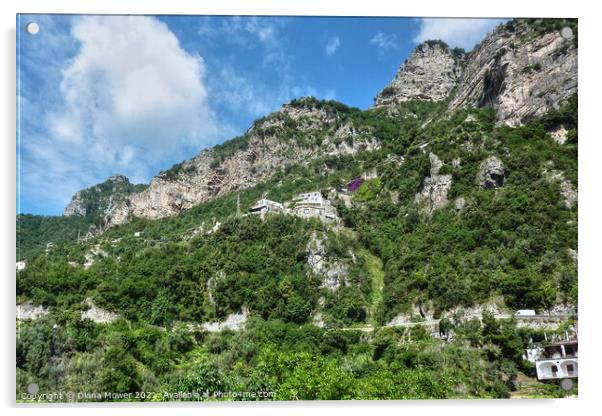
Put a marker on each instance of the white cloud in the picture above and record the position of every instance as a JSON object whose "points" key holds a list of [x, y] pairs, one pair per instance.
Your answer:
{"points": [[385, 41], [131, 83], [332, 45], [238, 93], [263, 30], [131, 98], [121, 95], [463, 33]]}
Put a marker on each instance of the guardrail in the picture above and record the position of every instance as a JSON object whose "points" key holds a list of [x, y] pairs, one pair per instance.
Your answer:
{"points": [[542, 317]]}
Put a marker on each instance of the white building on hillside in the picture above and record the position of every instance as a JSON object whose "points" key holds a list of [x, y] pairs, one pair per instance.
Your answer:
{"points": [[557, 361], [314, 205], [264, 206]]}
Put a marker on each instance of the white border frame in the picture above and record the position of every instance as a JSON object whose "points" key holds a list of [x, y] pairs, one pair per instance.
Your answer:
{"points": [[589, 224]]}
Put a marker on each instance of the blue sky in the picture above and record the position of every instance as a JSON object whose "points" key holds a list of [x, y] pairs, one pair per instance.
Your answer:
{"points": [[135, 94]]}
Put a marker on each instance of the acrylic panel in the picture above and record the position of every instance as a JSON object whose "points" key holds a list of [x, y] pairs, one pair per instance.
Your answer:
{"points": [[225, 208]]}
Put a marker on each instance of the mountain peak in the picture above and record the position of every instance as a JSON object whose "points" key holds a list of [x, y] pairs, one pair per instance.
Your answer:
{"points": [[102, 197], [430, 74], [118, 178]]}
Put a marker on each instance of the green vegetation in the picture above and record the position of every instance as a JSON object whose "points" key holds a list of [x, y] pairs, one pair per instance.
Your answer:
{"points": [[328, 105], [458, 53], [284, 360], [35, 231], [178, 168], [368, 190], [431, 43], [387, 91], [374, 268], [536, 67], [510, 242], [228, 148], [538, 27]]}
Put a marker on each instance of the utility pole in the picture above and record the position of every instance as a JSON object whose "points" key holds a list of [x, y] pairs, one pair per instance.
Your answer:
{"points": [[238, 205]]}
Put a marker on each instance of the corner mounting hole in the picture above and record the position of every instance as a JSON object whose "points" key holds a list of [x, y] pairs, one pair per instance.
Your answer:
{"points": [[32, 28], [566, 32]]}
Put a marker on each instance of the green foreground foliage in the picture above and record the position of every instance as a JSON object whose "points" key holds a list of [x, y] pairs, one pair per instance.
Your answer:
{"points": [[282, 361]]}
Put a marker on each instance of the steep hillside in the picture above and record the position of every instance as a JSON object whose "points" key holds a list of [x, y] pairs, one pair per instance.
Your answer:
{"points": [[302, 289], [436, 175], [34, 232], [83, 217], [476, 211], [300, 131]]}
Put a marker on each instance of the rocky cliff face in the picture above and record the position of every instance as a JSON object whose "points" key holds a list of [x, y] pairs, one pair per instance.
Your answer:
{"points": [[333, 271], [97, 314], [430, 74], [435, 187], [77, 206], [520, 70], [102, 198], [297, 133]]}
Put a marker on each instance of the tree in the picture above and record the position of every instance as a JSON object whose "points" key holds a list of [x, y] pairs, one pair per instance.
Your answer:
{"points": [[445, 326], [119, 372]]}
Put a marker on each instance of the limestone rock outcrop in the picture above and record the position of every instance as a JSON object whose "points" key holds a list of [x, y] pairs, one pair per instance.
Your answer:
{"points": [[521, 68], [102, 198], [97, 314], [417, 311], [334, 271], [430, 74], [460, 203], [27, 310], [234, 322], [559, 134], [567, 191], [435, 187], [491, 173], [519, 71], [76, 206], [573, 255]]}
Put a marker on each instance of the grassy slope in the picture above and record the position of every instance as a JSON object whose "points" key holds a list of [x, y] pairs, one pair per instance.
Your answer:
{"points": [[374, 267]]}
